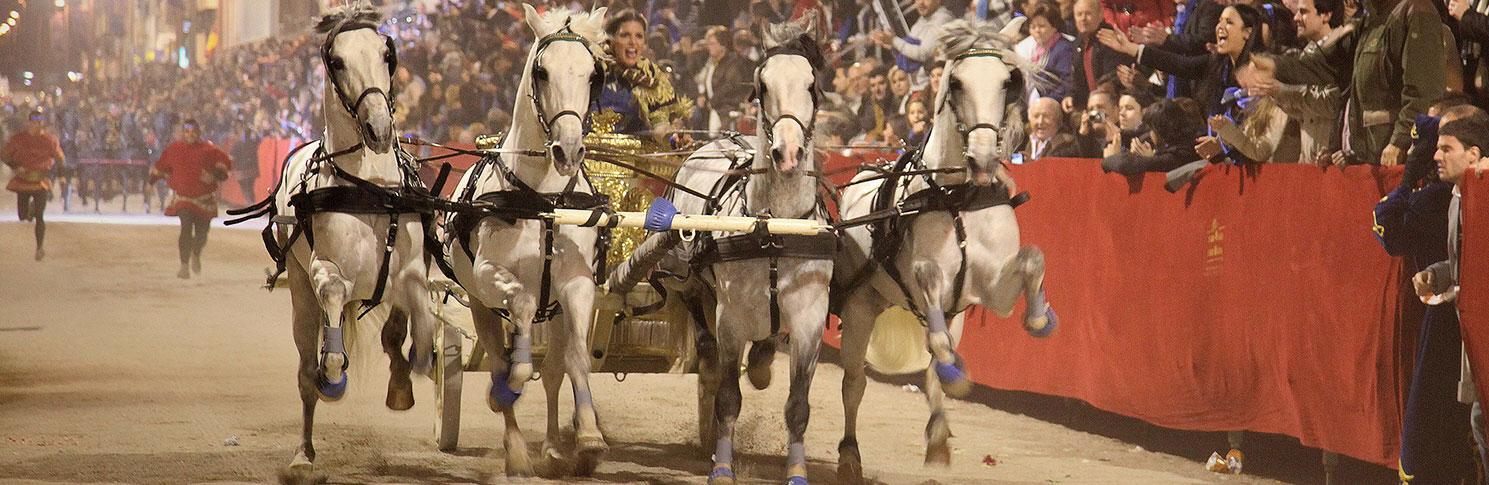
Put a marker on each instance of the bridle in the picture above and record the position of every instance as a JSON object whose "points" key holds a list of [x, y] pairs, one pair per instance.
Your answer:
{"points": [[597, 80], [758, 96], [962, 128], [333, 65]]}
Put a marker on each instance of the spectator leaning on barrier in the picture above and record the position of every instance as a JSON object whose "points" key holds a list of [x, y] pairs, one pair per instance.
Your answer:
{"points": [[1315, 107], [33, 154], [1172, 128], [1413, 222], [1385, 95], [1193, 31]]}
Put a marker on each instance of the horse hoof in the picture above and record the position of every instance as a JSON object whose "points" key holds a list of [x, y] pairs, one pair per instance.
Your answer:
{"points": [[400, 398], [330, 391], [797, 480], [519, 464], [850, 463], [1047, 328], [501, 396], [721, 475], [953, 378], [586, 460], [301, 470], [938, 455]]}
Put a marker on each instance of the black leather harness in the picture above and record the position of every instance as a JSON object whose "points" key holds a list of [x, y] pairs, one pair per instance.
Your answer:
{"points": [[523, 202], [360, 197], [890, 218], [760, 243]]}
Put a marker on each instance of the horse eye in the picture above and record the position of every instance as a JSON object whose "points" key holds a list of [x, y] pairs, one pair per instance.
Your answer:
{"points": [[336, 64], [541, 74], [956, 85]]}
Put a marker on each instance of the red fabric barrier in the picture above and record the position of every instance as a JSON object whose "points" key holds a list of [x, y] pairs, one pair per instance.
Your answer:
{"points": [[1256, 300], [1473, 279]]}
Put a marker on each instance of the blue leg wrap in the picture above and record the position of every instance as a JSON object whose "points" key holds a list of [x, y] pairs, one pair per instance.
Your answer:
{"points": [[1049, 326], [501, 392]]}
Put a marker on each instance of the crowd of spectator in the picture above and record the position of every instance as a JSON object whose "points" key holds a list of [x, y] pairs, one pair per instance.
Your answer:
{"points": [[1246, 80]]}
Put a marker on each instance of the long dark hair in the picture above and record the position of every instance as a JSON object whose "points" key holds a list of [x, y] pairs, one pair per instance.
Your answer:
{"points": [[1251, 18]]}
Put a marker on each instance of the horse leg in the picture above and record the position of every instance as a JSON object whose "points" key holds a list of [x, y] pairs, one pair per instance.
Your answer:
{"points": [[857, 317], [938, 428], [501, 399], [708, 374], [422, 324], [332, 290], [400, 388], [807, 325], [728, 399], [945, 362], [553, 381], [307, 327], [1023, 274], [578, 296]]}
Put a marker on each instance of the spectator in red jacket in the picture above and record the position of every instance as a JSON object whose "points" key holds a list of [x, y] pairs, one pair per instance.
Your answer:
{"points": [[193, 168], [32, 154]]}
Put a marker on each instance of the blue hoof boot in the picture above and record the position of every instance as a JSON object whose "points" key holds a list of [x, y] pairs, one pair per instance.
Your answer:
{"points": [[953, 377], [950, 372], [502, 394], [331, 391], [796, 481], [1051, 322]]}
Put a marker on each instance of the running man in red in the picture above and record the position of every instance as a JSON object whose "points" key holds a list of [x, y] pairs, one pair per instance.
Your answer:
{"points": [[32, 154], [193, 168]]}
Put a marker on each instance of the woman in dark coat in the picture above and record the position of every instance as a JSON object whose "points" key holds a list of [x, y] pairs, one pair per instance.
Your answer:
{"points": [[1237, 36]]}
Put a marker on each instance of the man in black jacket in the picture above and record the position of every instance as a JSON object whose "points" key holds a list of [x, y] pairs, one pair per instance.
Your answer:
{"points": [[1095, 63]]}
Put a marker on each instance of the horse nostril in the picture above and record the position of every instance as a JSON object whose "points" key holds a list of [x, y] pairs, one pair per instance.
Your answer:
{"points": [[775, 154], [580, 154], [558, 154], [801, 154], [371, 133]]}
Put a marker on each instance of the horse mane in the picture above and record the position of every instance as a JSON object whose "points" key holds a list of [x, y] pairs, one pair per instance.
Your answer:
{"points": [[357, 15], [589, 25], [795, 36], [960, 36]]}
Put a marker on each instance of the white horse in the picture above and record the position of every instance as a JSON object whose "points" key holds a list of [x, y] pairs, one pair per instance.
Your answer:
{"points": [[342, 254], [524, 266], [934, 274], [757, 295]]}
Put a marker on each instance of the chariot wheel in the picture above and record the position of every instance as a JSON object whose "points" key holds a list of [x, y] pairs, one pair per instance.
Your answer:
{"points": [[449, 370]]}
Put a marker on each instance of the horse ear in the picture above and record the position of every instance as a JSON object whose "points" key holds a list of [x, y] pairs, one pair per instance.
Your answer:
{"points": [[808, 23], [531, 15], [1011, 30]]}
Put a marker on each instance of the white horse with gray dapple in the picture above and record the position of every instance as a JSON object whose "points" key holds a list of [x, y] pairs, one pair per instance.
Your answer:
{"points": [[775, 174], [978, 116], [329, 279], [501, 261]]}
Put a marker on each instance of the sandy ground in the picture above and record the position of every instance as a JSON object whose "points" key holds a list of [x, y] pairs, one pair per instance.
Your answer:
{"points": [[113, 370]]}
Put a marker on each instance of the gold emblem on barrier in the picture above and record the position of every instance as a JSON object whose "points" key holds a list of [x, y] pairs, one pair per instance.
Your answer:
{"points": [[1214, 249]]}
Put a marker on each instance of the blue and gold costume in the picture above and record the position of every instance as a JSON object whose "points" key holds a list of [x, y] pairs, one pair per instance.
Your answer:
{"points": [[641, 97], [1413, 222]]}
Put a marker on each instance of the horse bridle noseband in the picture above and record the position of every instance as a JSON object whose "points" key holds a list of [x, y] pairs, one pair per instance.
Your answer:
{"points": [[962, 128], [758, 96], [352, 107], [540, 74]]}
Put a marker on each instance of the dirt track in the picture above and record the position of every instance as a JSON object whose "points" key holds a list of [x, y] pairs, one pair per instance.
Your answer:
{"points": [[113, 370]]}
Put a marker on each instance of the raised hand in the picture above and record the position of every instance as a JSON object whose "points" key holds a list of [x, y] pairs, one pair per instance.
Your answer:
{"points": [[1117, 41]]}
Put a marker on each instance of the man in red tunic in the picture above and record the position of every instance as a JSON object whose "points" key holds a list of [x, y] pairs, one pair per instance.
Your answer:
{"points": [[32, 154], [193, 168]]}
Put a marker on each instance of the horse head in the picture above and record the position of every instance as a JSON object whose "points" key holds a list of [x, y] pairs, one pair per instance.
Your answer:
{"points": [[359, 69], [565, 72], [982, 94], [787, 94]]}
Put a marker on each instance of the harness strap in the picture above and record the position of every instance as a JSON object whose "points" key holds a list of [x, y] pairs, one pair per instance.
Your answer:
{"points": [[775, 293], [546, 310], [382, 270]]}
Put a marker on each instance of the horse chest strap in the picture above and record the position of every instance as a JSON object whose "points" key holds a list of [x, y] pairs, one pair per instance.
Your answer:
{"points": [[751, 246]]}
